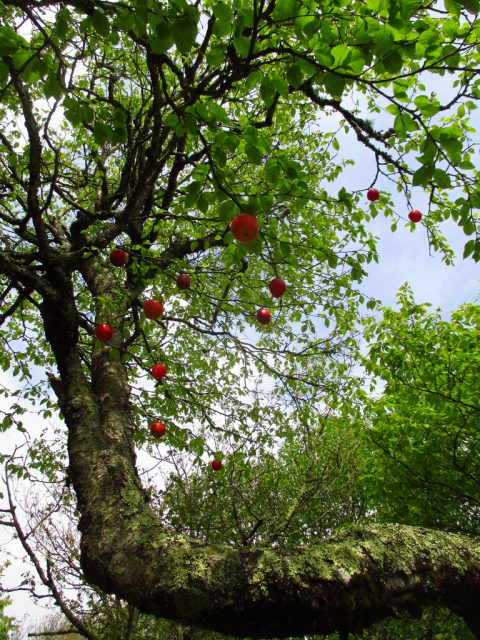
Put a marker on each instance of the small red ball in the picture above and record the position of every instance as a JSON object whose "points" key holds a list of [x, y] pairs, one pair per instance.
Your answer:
{"points": [[158, 429], [415, 216], [159, 371], [103, 332], [216, 465], [277, 287], [244, 227], [264, 316], [373, 194], [119, 257], [183, 281], [153, 309]]}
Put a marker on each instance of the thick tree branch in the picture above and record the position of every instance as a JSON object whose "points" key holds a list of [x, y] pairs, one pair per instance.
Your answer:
{"points": [[35, 156], [345, 583]]}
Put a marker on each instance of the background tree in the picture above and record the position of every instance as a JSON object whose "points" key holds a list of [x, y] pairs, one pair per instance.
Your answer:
{"points": [[425, 425], [152, 126], [7, 623]]}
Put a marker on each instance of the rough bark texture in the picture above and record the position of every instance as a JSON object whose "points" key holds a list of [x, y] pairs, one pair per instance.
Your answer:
{"points": [[345, 583]]}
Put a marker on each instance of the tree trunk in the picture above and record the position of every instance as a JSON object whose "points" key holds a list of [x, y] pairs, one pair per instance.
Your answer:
{"points": [[339, 584]]}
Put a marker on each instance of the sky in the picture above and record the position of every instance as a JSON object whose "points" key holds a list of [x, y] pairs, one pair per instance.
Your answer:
{"points": [[404, 257]]}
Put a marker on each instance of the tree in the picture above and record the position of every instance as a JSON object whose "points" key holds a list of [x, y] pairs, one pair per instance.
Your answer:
{"points": [[150, 126], [425, 424], [8, 624]]}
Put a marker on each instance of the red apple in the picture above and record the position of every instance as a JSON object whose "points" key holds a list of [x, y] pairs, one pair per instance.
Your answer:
{"points": [[244, 227], [373, 194], [183, 281], [159, 371], [153, 309], [104, 332], [277, 287], [216, 465], [158, 429], [415, 216], [119, 257], [264, 316]]}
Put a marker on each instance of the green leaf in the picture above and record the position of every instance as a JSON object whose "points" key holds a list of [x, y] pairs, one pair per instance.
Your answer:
{"points": [[295, 75], [184, 32], [429, 151], [242, 45], [227, 210], [423, 175], [452, 147], [125, 20], [219, 155], [218, 112], [201, 171], [100, 23], [356, 61], [223, 12], [161, 40], [255, 247], [472, 6], [203, 203], [3, 71], [224, 18], [272, 170], [334, 84], [469, 227], [284, 9], [469, 248], [404, 123], [62, 23], [281, 85], [32, 68], [253, 154], [10, 41], [340, 54], [102, 133], [393, 62], [216, 55], [52, 87], [393, 109], [428, 106], [74, 112], [267, 91], [442, 179], [453, 7]]}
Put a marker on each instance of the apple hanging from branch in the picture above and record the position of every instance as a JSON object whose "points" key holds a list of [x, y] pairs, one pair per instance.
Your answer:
{"points": [[119, 257], [184, 281], [264, 316], [153, 309], [373, 194], [244, 227], [415, 216], [158, 429], [277, 287], [103, 332], [159, 371], [216, 465]]}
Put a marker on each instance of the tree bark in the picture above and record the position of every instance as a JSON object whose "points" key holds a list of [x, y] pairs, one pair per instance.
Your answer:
{"points": [[341, 584]]}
